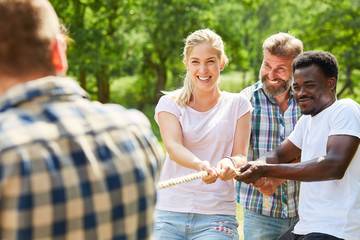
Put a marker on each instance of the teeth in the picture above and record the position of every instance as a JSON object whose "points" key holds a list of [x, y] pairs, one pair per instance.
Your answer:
{"points": [[204, 79]]}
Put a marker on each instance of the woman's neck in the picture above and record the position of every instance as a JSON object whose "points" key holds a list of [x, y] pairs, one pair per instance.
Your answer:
{"points": [[204, 101]]}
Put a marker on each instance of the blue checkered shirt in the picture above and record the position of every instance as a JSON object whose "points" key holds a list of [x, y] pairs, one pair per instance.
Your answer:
{"points": [[269, 128], [74, 169]]}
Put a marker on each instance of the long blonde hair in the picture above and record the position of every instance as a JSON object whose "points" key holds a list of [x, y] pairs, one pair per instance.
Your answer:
{"points": [[183, 95]]}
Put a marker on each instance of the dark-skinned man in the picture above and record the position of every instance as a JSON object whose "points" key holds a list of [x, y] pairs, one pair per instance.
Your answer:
{"points": [[327, 138]]}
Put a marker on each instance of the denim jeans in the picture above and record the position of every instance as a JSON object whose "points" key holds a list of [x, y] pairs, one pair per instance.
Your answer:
{"points": [[289, 235], [258, 226], [191, 226]]}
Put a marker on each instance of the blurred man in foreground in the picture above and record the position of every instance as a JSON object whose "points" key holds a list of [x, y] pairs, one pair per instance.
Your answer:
{"points": [[70, 168]]}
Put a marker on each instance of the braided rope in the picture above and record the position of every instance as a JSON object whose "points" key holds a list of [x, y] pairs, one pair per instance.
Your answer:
{"points": [[182, 179]]}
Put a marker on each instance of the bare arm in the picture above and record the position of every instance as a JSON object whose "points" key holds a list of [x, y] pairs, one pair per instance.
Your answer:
{"points": [[171, 134], [240, 148], [340, 151], [286, 152]]}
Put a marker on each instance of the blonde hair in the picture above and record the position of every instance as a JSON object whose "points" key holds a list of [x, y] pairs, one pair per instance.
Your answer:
{"points": [[283, 45], [183, 95]]}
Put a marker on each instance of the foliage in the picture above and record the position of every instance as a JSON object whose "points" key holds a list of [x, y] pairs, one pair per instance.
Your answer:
{"points": [[337, 31], [166, 23], [118, 38]]}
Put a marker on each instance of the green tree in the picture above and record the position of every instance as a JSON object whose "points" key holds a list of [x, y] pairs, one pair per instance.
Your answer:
{"points": [[101, 46], [245, 24], [166, 24], [334, 26]]}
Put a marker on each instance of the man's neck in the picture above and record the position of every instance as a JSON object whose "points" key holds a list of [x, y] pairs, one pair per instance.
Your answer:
{"points": [[8, 81]]}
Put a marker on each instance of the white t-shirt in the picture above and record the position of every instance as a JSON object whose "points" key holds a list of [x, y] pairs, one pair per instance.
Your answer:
{"points": [[209, 136], [330, 207]]}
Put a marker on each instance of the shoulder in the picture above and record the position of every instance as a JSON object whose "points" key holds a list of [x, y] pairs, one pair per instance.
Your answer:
{"points": [[346, 107], [168, 98], [235, 97], [248, 92], [345, 110], [236, 103], [124, 116], [348, 103], [344, 118], [167, 102]]}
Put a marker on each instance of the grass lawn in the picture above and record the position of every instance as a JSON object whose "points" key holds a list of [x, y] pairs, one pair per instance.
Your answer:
{"points": [[240, 218]]}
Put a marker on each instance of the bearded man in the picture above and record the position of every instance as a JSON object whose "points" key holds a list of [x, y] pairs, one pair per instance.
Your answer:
{"points": [[273, 119]]}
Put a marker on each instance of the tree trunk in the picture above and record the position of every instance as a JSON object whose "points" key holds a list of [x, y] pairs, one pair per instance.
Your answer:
{"points": [[82, 78], [162, 78], [102, 80], [348, 83]]}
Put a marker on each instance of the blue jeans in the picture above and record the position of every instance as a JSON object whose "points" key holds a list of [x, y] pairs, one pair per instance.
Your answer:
{"points": [[191, 226], [258, 226], [289, 235]]}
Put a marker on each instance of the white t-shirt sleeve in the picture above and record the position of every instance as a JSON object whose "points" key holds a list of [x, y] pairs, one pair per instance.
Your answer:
{"points": [[346, 119], [244, 105], [166, 104]]}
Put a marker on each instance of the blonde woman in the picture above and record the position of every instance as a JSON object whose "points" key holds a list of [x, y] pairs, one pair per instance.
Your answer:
{"points": [[203, 129]]}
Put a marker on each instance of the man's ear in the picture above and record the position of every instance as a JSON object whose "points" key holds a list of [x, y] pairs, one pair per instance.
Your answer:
{"points": [[332, 83], [58, 56]]}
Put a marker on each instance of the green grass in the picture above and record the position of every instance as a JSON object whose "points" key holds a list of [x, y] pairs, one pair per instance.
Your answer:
{"points": [[235, 81], [240, 219]]}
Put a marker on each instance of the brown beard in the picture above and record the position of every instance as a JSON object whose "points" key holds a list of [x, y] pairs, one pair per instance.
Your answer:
{"points": [[274, 91]]}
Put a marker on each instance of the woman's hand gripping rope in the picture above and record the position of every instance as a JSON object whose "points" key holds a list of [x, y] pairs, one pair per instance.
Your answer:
{"points": [[187, 178], [183, 179]]}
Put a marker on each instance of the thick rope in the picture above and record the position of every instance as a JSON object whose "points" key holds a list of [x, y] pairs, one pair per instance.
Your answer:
{"points": [[189, 177], [182, 179]]}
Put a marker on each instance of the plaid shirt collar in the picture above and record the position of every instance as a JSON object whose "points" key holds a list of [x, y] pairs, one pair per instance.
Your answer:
{"points": [[51, 86]]}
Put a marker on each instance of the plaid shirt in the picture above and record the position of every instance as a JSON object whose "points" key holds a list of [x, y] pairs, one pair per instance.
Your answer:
{"points": [[74, 169], [269, 128]]}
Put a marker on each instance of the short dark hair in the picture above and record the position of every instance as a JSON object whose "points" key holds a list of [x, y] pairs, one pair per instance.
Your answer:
{"points": [[324, 60], [27, 29]]}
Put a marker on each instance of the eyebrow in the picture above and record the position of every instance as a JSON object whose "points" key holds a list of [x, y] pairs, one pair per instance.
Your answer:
{"points": [[307, 81], [310, 81], [281, 65], [199, 58]]}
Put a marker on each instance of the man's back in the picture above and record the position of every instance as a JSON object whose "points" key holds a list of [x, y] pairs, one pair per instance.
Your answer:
{"points": [[74, 169]]}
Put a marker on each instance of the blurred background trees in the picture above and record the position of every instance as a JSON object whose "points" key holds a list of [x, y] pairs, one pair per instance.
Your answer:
{"points": [[127, 51]]}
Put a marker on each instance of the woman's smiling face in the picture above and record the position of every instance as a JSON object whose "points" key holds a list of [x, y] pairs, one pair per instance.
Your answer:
{"points": [[204, 66]]}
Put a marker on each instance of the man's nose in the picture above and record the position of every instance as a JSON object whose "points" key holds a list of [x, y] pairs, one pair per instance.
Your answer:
{"points": [[302, 92], [272, 74]]}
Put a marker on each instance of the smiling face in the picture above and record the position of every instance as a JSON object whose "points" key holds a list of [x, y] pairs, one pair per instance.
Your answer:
{"points": [[204, 66], [313, 91], [276, 74]]}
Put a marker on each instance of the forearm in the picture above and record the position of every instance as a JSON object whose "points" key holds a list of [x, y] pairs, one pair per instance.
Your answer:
{"points": [[181, 155], [319, 169]]}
